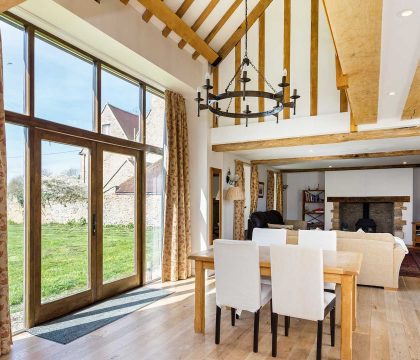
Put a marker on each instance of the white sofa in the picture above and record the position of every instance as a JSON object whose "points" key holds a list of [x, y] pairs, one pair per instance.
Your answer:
{"points": [[382, 256]]}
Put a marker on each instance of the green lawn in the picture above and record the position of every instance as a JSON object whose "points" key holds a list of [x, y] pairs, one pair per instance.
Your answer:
{"points": [[64, 262]]}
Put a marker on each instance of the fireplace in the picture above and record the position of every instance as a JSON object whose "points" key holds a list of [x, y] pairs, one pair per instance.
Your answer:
{"points": [[372, 214]]}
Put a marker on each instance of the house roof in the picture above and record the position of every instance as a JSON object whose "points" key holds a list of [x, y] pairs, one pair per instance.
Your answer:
{"points": [[128, 121]]}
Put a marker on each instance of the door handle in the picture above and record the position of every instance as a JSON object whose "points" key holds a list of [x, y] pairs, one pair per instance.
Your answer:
{"points": [[94, 224]]}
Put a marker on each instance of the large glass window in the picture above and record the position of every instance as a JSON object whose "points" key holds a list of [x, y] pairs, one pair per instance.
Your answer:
{"points": [[120, 106], [13, 66], [155, 119], [16, 143], [63, 86]]}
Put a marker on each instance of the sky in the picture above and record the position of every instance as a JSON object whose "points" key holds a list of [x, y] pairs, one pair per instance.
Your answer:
{"points": [[63, 93]]}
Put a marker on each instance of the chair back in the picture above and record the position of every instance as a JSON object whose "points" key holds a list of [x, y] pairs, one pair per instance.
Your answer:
{"points": [[317, 239], [297, 280], [237, 271], [267, 237]]}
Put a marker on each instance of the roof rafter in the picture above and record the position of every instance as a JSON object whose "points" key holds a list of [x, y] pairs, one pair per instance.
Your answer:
{"points": [[412, 105], [180, 13], [219, 25], [203, 16], [176, 24], [8, 4]]}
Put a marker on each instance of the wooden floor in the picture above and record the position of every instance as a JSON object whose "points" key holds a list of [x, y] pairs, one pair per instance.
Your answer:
{"points": [[388, 328]]}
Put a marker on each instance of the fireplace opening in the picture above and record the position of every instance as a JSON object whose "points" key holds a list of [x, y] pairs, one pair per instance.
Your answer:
{"points": [[366, 223]]}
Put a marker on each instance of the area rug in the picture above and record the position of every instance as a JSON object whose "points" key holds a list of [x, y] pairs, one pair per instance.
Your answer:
{"points": [[411, 263], [73, 326]]}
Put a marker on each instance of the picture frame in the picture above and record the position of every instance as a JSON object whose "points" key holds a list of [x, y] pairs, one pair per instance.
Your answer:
{"points": [[260, 190]]}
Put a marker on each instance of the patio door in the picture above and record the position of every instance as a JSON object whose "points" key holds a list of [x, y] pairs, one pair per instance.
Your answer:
{"points": [[85, 243]]}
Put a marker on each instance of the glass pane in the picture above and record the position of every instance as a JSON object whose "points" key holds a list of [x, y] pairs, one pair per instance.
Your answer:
{"points": [[120, 111], [16, 139], [63, 86], [155, 119], [65, 214], [119, 210], [13, 66], [154, 215]]}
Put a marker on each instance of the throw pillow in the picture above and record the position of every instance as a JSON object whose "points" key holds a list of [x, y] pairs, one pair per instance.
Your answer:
{"points": [[278, 226], [360, 230]]}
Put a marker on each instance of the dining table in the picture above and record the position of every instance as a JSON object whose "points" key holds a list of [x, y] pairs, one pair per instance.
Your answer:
{"points": [[340, 267]]}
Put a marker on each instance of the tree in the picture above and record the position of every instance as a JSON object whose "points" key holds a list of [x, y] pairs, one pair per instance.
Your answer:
{"points": [[15, 189]]}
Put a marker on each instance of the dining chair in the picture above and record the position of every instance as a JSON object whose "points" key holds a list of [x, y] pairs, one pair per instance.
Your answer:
{"points": [[266, 237], [299, 292], [325, 240], [238, 283]]}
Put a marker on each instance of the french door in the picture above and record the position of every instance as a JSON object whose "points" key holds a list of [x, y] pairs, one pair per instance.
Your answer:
{"points": [[86, 223]]}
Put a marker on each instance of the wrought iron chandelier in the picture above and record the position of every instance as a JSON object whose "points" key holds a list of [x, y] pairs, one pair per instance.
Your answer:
{"points": [[212, 100]]}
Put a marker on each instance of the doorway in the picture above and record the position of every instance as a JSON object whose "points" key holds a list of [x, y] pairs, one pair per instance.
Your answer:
{"points": [[215, 200], [247, 187]]}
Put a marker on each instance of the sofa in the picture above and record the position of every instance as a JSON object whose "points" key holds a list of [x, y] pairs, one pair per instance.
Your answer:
{"points": [[261, 219], [382, 256]]}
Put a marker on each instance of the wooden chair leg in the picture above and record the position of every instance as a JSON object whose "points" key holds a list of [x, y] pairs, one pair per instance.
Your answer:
{"points": [[256, 330], [218, 316], [232, 316], [332, 326], [274, 327], [286, 325], [319, 340]]}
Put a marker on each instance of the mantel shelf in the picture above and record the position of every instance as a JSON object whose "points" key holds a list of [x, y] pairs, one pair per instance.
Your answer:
{"points": [[370, 199]]}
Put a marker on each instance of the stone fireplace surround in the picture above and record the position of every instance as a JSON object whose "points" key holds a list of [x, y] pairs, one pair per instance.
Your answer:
{"points": [[396, 201]]}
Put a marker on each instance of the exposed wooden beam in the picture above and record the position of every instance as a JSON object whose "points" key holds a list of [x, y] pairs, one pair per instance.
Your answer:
{"points": [[353, 124], [261, 62], [125, 2], [147, 15], [203, 16], [348, 168], [372, 155], [174, 22], [287, 18], [344, 105], [320, 139], [314, 58], [219, 25], [240, 31], [341, 79], [238, 59], [8, 4], [180, 13], [412, 105], [216, 90], [356, 30]]}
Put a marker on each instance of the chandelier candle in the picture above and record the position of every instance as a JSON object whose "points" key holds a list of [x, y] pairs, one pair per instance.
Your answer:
{"points": [[212, 100]]}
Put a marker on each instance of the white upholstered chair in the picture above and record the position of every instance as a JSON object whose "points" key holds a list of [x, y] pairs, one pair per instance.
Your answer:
{"points": [[238, 283], [325, 240], [299, 291], [267, 237]]}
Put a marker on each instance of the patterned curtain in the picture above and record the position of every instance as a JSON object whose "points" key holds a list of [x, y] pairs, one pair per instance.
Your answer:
{"points": [[177, 236], [279, 192], [238, 218], [5, 324], [270, 190], [254, 188]]}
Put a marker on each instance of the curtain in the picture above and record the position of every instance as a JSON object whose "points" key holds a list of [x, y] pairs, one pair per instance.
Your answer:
{"points": [[177, 233], [254, 188], [270, 190], [238, 217], [5, 324], [279, 193]]}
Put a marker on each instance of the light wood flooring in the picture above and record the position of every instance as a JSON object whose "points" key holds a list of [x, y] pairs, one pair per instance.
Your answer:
{"points": [[388, 328]]}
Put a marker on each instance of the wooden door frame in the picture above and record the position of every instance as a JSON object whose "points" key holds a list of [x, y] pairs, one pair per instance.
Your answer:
{"points": [[118, 286], [38, 312], [214, 171]]}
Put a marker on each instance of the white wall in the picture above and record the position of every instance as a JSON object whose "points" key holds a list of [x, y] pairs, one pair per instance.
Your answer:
{"points": [[293, 195], [382, 182], [416, 194]]}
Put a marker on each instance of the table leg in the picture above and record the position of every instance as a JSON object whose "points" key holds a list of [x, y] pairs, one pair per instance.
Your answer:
{"points": [[354, 298], [200, 292], [347, 286]]}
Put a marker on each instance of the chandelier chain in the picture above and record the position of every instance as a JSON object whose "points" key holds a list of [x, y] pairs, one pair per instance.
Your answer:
{"points": [[262, 76]]}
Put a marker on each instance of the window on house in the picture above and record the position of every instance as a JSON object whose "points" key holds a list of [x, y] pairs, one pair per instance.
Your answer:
{"points": [[13, 65], [155, 119], [120, 105], [106, 129], [63, 85]]}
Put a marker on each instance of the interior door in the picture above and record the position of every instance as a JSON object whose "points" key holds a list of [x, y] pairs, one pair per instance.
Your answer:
{"points": [[63, 206], [119, 220]]}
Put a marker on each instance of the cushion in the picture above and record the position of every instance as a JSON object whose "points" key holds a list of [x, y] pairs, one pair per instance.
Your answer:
{"points": [[279, 226], [360, 230]]}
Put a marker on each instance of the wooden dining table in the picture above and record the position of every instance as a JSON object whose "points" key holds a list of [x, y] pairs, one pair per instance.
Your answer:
{"points": [[340, 267]]}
